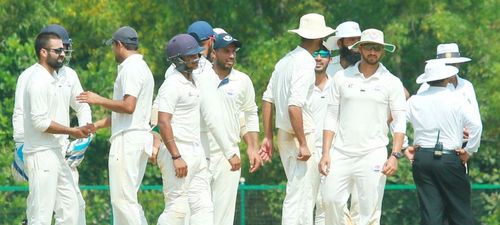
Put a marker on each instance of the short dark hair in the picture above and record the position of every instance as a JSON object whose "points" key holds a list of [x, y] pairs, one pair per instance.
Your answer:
{"points": [[128, 46], [42, 41], [436, 82]]}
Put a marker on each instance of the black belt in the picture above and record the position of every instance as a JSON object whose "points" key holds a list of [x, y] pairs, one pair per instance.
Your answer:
{"points": [[444, 151]]}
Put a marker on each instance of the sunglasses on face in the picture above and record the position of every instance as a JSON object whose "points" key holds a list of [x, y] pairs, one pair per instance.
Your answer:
{"points": [[58, 51], [375, 47], [322, 53]]}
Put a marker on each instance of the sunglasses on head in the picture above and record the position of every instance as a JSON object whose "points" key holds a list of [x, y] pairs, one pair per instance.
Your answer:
{"points": [[375, 47], [56, 50], [322, 53]]}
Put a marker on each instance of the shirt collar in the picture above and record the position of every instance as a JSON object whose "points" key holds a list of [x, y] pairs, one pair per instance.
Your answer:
{"points": [[180, 77], [378, 73], [130, 59]]}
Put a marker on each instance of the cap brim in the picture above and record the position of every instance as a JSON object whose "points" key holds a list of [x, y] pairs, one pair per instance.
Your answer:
{"points": [[449, 72], [313, 34], [451, 60], [109, 42], [331, 43], [387, 47], [195, 51], [225, 44]]}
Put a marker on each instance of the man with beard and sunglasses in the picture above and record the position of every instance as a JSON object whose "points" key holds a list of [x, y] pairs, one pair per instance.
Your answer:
{"points": [[363, 97], [347, 33], [45, 125], [69, 87]]}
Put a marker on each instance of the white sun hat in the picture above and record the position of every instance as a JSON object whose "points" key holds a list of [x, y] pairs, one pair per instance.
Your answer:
{"points": [[436, 70], [343, 30], [449, 54], [373, 36], [312, 26]]}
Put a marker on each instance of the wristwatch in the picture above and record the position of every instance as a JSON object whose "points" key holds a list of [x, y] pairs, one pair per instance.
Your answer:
{"points": [[397, 155], [176, 157]]}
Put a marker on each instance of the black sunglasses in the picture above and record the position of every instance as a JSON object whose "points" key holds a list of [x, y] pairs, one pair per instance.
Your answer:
{"points": [[56, 50]]}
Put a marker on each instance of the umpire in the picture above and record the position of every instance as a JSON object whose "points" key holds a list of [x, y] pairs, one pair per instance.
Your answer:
{"points": [[438, 117]]}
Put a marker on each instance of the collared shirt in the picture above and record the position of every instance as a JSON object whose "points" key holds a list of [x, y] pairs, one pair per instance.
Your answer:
{"points": [[207, 81], [181, 98], [292, 83], [464, 88], [41, 107], [134, 79], [334, 66], [237, 96], [363, 106], [439, 109], [68, 87], [319, 103]]}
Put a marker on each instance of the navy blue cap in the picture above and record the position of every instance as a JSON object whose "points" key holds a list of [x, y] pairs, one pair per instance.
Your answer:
{"points": [[59, 30], [223, 40], [182, 45], [126, 35], [201, 30]]}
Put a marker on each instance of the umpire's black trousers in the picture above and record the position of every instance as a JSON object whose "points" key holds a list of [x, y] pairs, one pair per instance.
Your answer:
{"points": [[443, 189]]}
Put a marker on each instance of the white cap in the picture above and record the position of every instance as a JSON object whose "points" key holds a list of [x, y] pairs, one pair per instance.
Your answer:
{"points": [[449, 54], [343, 30], [436, 70], [219, 30]]}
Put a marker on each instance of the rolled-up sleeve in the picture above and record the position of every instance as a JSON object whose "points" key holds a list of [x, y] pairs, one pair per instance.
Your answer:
{"points": [[249, 108], [332, 111], [83, 112], [39, 114], [268, 94]]}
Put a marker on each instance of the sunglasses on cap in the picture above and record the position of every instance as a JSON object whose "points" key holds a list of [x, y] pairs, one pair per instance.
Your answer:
{"points": [[322, 53], [375, 47]]}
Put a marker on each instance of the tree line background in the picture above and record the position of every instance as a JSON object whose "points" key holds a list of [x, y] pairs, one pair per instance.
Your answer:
{"points": [[415, 26]]}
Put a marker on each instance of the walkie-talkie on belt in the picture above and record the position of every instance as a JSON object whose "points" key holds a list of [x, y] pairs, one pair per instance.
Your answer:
{"points": [[438, 148]]}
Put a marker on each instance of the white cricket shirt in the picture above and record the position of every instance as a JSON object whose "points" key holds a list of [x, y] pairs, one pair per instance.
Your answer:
{"points": [[439, 109], [292, 83], [134, 79], [363, 106]]}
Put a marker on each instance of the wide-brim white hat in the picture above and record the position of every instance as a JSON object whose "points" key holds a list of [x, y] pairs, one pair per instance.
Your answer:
{"points": [[436, 70], [373, 36], [449, 54], [313, 26], [344, 30]]}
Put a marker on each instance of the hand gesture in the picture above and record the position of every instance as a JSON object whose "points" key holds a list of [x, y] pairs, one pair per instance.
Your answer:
{"points": [[324, 165], [89, 97], [80, 132], [180, 167], [463, 155], [390, 166], [255, 161], [304, 153], [266, 149], [235, 162]]}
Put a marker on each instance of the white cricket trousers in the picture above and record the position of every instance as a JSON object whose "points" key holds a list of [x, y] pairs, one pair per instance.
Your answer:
{"points": [[224, 185], [50, 179], [191, 193], [60, 214], [302, 180], [127, 164], [362, 172]]}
